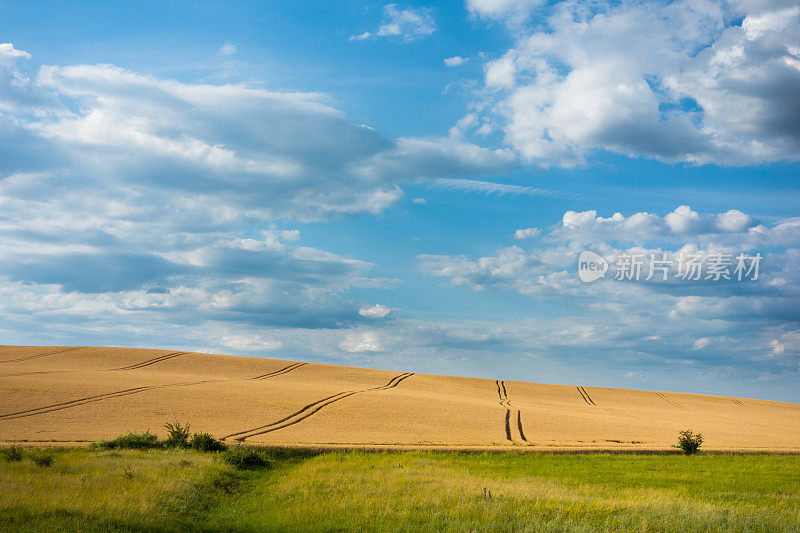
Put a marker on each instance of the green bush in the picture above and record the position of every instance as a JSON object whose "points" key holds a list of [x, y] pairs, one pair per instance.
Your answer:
{"points": [[246, 458], [131, 441], [12, 454], [689, 442], [41, 459], [204, 442], [177, 435]]}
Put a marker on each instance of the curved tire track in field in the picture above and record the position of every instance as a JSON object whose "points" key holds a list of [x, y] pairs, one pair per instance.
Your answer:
{"points": [[91, 399], [284, 370], [502, 393], [312, 408], [38, 355], [153, 361]]}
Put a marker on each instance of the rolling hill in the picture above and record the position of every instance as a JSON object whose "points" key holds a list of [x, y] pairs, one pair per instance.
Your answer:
{"points": [[77, 394]]}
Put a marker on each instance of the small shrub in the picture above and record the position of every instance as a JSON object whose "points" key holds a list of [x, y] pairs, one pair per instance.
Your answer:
{"points": [[204, 442], [131, 441], [127, 473], [177, 435], [12, 454], [689, 442], [42, 459], [245, 458]]}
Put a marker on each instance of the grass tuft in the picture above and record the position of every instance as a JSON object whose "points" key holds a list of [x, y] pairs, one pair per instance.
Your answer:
{"points": [[42, 459], [12, 454], [246, 458]]}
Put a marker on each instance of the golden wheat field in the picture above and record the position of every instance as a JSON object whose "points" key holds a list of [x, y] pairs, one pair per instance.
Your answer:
{"points": [[78, 394]]}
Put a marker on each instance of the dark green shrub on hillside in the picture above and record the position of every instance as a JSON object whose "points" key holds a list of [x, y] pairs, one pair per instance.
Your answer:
{"points": [[131, 441], [177, 435], [246, 458], [204, 442], [12, 454], [689, 442]]}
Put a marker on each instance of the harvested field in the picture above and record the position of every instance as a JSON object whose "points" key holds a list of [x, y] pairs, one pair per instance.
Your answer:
{"points": [[78, 394]]}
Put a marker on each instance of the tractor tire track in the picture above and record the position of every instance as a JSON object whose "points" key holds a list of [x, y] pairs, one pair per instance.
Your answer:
{"points": [[502, 393], [91, 399], [312, 408], [38, 355], [284, 370], [519, 426], [586, 397], [153, 361], [673, 403]]}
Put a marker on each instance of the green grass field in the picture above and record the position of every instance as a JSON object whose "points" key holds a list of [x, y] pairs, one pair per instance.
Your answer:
{"points": [[355, 491]]}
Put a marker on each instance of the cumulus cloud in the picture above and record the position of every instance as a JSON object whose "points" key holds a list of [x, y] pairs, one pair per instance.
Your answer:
{"points": [[704, 322], [404, 24], [730, 228], [9, 55], [678, 82]]}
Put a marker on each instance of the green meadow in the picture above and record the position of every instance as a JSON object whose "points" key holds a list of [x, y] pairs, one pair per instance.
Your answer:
{"points": [[173, 490]]}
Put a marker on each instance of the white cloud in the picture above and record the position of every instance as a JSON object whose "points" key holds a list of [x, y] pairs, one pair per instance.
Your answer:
{"points": [[9, 55], [227, 49], [455, 61], [368, 341], [777, 347], [405, 24], [700, 343], [731, 228], [375, 311], [290, 154], [488, 187], [172, 202], [500, 73], [673, 81], [527, 233], [734, 221], [512, 11]]}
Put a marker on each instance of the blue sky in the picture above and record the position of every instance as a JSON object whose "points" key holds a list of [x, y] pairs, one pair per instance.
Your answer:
{"points": [[406, 185]]}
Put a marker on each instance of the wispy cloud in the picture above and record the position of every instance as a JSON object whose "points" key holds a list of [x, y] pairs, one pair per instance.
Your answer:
{"points": [[488, 187], [404, 24], [455, 61]]}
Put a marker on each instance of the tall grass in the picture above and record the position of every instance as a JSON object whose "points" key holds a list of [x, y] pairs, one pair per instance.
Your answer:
{"points": [[529, 492], [125, 490], [181, 489]]}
